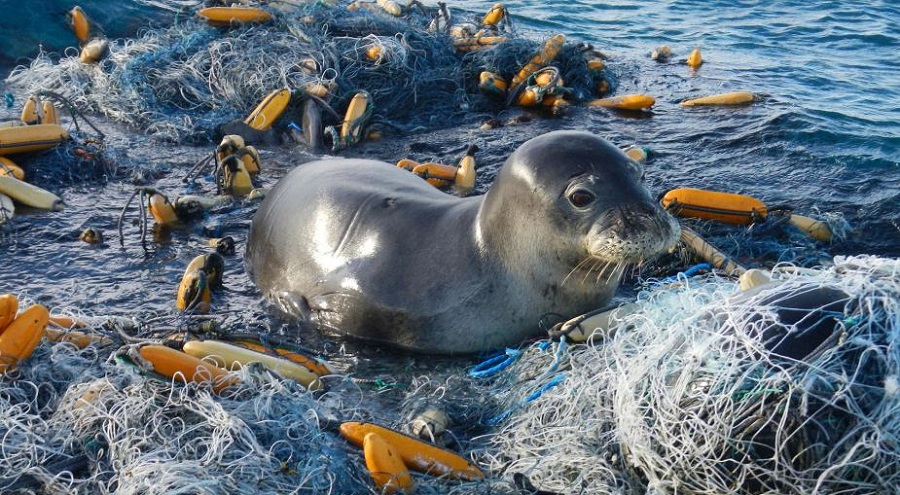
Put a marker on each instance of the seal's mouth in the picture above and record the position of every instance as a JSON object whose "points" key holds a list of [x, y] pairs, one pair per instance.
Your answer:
{"points": [[632, 235]]}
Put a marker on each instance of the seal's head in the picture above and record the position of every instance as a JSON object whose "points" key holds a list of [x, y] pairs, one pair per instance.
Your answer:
{"points": [[585, 193]]}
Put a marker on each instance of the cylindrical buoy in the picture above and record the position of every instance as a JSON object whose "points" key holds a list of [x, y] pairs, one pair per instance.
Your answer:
{"points": [[816, 229], [625, 102], [709, 253], [733, 98]]}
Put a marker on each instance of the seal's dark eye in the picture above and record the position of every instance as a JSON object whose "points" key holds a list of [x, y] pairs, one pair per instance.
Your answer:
{"points": [[581, 198]]}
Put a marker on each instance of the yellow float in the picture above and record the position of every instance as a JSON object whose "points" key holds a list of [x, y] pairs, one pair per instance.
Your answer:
{"points": [[202, 275], [226, 16], [473, 43], [183, 367], [296, 357], [695, 59], [386, 467], [492, 84], [625, 102], [269, 109], [30, 195], [722, 207], [548, 53], [229, 356], [9, 168], [710, 253], [20, 337], [36, 111], [737, 209], [391, 7], [351, 128], [416, 454], [734, 98], [80, 24], [9, 307], [30, 138], [494, 16]]}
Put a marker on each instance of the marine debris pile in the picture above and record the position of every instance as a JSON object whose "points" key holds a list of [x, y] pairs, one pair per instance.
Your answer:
{"points": [[789, 387], [181, 82], [85, 411]]}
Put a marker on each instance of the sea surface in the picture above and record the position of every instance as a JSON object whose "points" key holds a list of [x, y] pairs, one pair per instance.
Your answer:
{"points": [[823, 139]]}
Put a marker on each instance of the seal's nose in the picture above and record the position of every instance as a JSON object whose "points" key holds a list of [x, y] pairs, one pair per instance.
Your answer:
{"points": [[629, 217]]}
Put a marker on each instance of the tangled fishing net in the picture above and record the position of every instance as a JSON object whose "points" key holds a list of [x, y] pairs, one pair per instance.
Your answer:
{"points": [[78, 421], [180, 82], [791, 387]]}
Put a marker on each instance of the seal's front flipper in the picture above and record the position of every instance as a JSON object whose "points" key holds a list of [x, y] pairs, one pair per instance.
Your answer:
{"points": [[293, 304]]}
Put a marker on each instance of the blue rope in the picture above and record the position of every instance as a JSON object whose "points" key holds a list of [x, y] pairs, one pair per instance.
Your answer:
{"points": [[556, 357], [495, 364], [500, 362], [690, 272], [556, 380]]}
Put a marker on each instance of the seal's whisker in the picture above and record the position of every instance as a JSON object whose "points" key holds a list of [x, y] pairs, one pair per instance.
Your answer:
{"points": [[575, 269], [603, 273], [590, 268], [618, 267], [598, 264]]}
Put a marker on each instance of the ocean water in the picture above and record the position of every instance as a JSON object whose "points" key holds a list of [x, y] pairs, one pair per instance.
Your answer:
{"points": [[824, 139]]}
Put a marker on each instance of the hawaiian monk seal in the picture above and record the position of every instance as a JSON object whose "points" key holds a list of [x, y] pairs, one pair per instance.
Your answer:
{"points": [[366, 249]]}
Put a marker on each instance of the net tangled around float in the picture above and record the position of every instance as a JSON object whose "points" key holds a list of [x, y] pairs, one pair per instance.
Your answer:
{"points": [[182, 81], [701, 391], [790, 387], [82, 421]]}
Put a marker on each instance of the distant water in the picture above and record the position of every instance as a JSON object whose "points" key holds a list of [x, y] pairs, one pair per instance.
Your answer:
{"points": [[28, 26], [825, 140]]}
